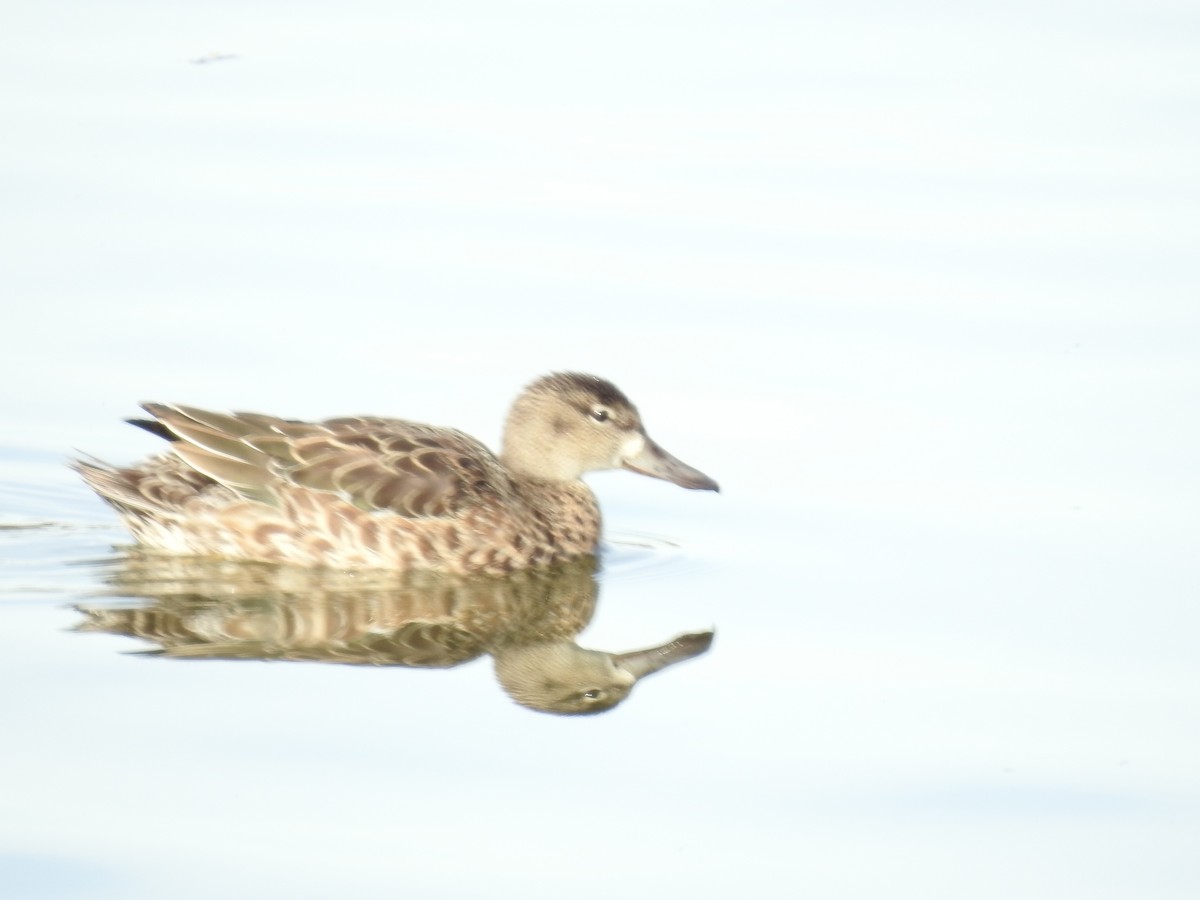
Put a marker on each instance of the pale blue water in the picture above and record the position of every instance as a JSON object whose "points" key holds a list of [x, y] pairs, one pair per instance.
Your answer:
{"points": [[916, 285]]}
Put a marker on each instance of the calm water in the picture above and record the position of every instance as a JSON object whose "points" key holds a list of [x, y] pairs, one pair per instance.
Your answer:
{"points": [[916, 286]]}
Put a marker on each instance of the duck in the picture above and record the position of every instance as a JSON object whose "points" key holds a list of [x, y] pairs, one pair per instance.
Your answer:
{"points": [[366, 492]]}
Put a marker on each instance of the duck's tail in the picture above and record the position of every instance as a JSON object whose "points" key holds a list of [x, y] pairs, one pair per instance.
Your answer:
{"points": [[157, 488]]}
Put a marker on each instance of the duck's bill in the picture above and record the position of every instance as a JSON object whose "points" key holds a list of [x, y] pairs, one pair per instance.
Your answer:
{"points": [[652, 659], [656, 462]]}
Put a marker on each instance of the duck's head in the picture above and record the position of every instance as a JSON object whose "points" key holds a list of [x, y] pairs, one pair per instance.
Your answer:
{"points": [[566, 424], [562, 677]]}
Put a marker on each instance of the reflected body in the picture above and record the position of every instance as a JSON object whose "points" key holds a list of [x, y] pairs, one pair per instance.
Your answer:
{"points": [[527, 621], [366, 492]]}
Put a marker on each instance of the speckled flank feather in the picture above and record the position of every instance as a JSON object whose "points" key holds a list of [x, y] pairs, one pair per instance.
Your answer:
{"points": [[382, 493]]}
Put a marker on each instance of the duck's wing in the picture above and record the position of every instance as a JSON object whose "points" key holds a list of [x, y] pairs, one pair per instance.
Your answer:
{"points": [[376, 464]]}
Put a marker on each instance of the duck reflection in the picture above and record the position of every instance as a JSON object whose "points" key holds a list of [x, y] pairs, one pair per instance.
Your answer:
{"points": [[527, 622]]}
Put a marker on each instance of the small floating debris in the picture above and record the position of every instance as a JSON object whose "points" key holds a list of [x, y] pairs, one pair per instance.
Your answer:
{"points": [[213, 58]]}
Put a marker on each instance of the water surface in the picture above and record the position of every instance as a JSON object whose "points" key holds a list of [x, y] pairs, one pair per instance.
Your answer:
{"points": [[916, 286]]}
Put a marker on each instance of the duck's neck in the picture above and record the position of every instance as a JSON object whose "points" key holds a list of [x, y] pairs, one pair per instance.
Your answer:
{"points": [[534, 463], [553, 494]]}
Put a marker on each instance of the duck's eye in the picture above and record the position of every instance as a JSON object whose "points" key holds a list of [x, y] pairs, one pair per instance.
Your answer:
{"points": [[593, 694], [600, 414]]}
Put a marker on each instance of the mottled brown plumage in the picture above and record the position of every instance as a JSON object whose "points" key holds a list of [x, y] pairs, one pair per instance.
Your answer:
{"points": [[368, 492]]}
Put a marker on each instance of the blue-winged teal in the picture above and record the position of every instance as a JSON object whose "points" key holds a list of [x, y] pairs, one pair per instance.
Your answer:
{"points": [[387, 493]]}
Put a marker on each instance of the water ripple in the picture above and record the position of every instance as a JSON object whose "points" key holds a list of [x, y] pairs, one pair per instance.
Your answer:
{"points": [[629, 554]]}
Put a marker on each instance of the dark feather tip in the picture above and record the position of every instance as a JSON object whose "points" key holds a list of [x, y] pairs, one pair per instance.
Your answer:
{"points": [[155, 427]]}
